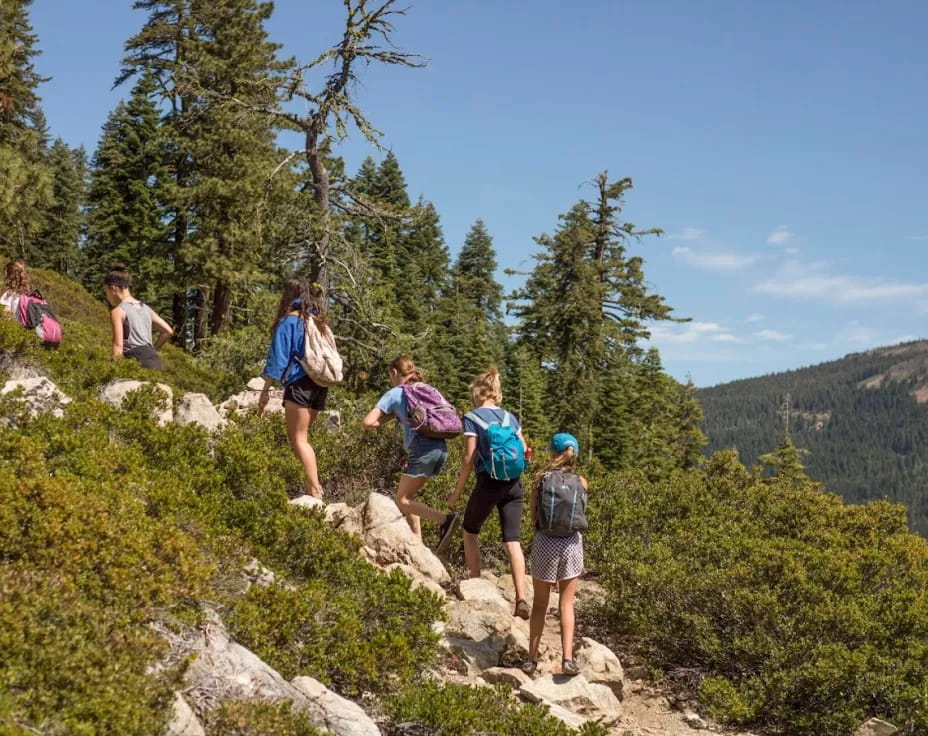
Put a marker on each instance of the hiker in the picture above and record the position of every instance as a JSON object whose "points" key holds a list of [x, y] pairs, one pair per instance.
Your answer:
{"points": [[133, 320], [426, 455], [558, 512], [16, 283], [494, 449], [303, 397]]}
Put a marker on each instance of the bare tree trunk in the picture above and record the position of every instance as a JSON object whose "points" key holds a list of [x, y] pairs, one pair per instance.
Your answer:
{"points": [[200, 317], [222, 300]]}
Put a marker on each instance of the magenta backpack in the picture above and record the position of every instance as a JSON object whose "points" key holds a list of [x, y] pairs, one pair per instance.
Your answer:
{"points": [[430, 414], [35, 314]]}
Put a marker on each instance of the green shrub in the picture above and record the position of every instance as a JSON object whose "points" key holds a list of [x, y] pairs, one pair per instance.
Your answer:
{"points": [[463, 710], [246, 718], [803, 613]]}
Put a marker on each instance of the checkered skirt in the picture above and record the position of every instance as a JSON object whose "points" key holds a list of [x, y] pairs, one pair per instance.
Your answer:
{"points": [[557, 558]]}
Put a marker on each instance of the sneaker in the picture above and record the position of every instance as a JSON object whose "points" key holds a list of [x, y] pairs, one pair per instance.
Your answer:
{"points": [[529, 666], [522, 609], [569, 668], [446, 532]]}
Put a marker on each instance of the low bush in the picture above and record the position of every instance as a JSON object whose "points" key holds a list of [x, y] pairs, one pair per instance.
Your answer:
{"points": [[801, 613], [246, 718], [463, 710]]}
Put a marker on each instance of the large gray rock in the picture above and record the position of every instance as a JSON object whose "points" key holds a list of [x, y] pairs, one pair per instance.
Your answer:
{"points": [[569, 719], [334, 713], [40, 395], [247, 400], [512, 676], [307, 502], [418, 579], [387, 533], [115, 392], [345, 517], [576, 694], [183, 720], [483, 593], [198, 409], [599, 664], [876, 727]]}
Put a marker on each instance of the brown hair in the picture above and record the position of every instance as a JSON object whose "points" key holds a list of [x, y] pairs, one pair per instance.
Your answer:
{"points": [[407, 370], [16, 277], [311, 301], [118, 275], [487, 387], [567, 460]]}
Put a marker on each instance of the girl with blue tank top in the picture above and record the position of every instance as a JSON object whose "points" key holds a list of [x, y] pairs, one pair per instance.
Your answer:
{"points": [[132, 321], [303, 398]]}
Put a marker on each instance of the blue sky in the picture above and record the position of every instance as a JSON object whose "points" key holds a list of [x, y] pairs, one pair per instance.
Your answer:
{"points": [[781, 147]]}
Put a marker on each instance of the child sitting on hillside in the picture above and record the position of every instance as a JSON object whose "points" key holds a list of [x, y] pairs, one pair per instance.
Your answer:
{"points": [[496, 487], [558, 512], [16, 283], [427, 455]]}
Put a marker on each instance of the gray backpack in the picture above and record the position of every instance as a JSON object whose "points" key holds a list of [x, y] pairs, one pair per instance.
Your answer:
{"points": [[560, 509]]}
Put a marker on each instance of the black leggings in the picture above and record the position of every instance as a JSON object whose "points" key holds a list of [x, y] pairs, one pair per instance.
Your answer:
{"points": [[505, 495]]}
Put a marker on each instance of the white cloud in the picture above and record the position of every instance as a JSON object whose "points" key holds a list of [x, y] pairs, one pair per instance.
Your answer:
{"points": [[688, 332], [812, 282], [774, 335], [727, 337], [713, 261], [780, 236], [688, 233], [755, 317], [792, 251]]}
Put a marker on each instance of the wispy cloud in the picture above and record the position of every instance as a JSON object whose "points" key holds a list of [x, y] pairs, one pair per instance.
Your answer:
{"points": [[774, 335], [688, 332], [781, 235], [727, 337], [713, 261], [755, 317], [813, 282], [688, 233], [792, 251]]}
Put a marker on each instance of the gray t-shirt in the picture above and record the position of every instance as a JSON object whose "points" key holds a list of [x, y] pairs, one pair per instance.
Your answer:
{"points": [[136, 326]]}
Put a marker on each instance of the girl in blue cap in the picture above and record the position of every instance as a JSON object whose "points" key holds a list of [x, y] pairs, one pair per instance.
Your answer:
{"points": [[558, 512]]}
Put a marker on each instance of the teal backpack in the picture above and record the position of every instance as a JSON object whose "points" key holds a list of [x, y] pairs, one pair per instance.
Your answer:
{"points": [[507, 455]]}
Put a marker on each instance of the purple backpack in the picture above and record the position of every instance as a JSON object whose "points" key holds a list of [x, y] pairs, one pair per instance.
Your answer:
{"points": [[430, 414]]}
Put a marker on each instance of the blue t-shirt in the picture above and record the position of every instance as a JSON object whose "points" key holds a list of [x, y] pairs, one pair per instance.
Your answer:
{"points": [[394, 402], [493, 415], [288, 344]]}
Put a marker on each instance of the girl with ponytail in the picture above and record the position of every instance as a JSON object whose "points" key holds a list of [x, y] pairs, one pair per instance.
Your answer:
{"points": [[427, 455], [132, 321], [16, 283], [504, 494]]}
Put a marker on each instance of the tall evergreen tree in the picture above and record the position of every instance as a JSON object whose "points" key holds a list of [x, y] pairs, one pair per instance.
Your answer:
{"points": [[57, 245], [25, 180], [127, 200]]}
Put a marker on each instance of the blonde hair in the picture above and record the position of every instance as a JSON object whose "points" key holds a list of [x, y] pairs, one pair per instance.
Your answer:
{"points": [[566, 460], [487, 387], [407, 370], [16, 277]]}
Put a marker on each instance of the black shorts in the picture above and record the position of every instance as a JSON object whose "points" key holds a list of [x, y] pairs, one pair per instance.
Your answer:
{"points": [[505, 495], [306, 394], [146, 355]]}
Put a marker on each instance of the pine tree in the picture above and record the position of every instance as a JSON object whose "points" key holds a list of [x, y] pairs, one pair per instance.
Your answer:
{"points": [[525, 389], [425, 272], [58, 244], [127, 200], [25, 180], [786, 462], [474, 273]]}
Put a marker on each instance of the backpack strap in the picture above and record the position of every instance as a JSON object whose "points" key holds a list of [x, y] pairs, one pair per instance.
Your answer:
{"points": [[477, 420]]}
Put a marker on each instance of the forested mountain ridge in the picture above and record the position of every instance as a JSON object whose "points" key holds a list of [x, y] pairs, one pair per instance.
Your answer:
{"points": [[862, 422]]}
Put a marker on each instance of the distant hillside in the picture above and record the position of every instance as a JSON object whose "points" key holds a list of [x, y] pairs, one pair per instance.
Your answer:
{"points": [[863, 420]]}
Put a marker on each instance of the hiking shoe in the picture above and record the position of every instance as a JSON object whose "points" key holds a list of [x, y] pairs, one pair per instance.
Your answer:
{"points": [[522, 609], [569, 668], [529, 666], [446, 532]]}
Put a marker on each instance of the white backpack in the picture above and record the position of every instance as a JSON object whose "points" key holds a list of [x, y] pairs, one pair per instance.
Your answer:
{"points": [[321, 360]]}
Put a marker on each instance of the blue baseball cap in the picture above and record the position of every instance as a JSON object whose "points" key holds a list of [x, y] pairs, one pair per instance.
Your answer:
{"points": [[562, 440]]}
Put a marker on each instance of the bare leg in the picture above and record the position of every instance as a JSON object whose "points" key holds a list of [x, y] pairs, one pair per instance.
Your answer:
{"points": [[472, 554], [412, 510], [536, 624], [567, 590], [517, 565], [299, 420]]}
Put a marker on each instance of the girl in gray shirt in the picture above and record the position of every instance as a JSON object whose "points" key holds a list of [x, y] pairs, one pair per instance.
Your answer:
{"points": [[132, 321]]}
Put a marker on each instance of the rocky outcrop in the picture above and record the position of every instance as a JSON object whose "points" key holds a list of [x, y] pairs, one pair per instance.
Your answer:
{"points": [[184, 721], [576, 694], [198, 409], [600, 665], [40, 395], [388, 536], [307, 502], [876, 727], [334, 713], [115, 393], [247, 400]]}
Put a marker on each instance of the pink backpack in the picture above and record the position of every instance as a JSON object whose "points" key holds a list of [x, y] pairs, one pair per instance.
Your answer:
{"points": [[35, 314], [429, 412]]}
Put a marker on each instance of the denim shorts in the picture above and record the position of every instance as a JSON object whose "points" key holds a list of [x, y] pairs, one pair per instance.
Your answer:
{"points": [[426, 457]]}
